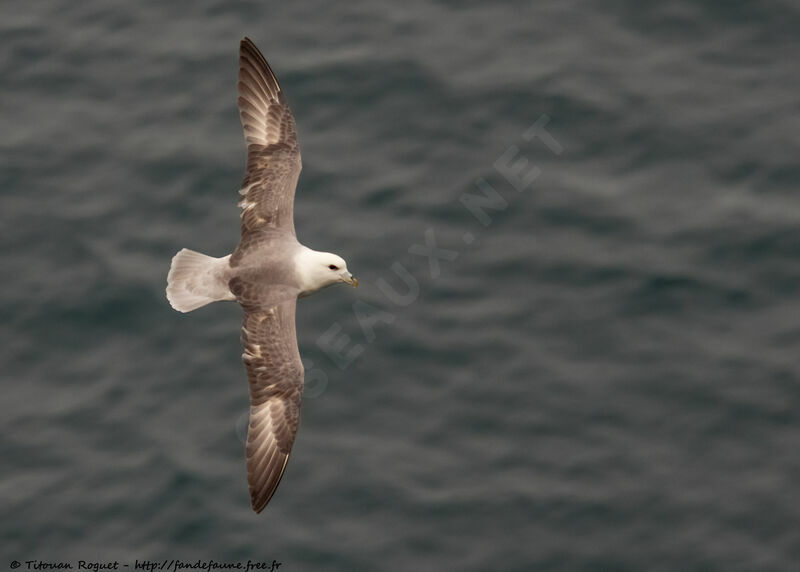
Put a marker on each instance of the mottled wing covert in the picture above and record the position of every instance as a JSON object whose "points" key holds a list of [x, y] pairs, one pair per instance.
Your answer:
{"points": [[276, 385], [273, 154]]}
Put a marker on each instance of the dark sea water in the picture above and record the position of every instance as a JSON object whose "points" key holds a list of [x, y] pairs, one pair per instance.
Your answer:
{"points": [[604, 376]]}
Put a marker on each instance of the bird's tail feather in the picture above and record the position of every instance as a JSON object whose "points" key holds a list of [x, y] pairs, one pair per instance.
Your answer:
{"points": [[195, 280]]}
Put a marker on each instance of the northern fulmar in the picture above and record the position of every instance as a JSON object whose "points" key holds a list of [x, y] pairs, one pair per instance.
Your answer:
{"points": [[266, 274]]}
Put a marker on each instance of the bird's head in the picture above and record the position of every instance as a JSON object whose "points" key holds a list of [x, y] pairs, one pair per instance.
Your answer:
{"points": [[334, 269], [321, 269]]}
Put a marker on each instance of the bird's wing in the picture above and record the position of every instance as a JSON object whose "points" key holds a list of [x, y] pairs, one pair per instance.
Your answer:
{"points": [[273, 154], [276, 385]]}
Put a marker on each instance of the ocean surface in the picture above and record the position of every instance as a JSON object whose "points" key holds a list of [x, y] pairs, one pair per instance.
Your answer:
{"points": [[595, 369]]}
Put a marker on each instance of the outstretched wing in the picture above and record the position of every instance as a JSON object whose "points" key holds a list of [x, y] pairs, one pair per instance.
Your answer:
{"points": [[276, 385], [273, 155]]}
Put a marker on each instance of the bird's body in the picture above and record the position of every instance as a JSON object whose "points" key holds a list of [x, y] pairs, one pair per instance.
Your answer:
{"points": [[265, 274]]}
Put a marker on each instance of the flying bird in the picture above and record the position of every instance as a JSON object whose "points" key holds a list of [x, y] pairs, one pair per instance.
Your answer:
{"points": [[266, 274]]}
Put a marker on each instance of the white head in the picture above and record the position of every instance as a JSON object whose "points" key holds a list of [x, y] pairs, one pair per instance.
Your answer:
{"points": [[317, 270]]}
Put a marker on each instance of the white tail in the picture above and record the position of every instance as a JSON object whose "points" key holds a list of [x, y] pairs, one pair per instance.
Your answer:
{"points": [[195, 280]]}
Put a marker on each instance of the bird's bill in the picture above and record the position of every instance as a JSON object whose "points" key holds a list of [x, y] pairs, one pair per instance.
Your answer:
{"points": [[350, 279]]}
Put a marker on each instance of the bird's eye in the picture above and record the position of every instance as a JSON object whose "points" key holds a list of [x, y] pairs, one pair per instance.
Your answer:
{"points": [[333, 267]]}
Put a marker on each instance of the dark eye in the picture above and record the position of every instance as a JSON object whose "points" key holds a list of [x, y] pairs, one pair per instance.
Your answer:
{"points": [[333, 267]]}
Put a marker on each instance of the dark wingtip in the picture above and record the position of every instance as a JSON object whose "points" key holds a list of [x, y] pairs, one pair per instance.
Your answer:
{"points": [[246, 46]]}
